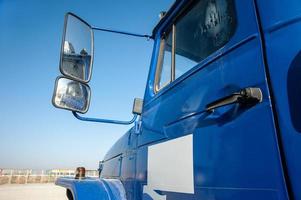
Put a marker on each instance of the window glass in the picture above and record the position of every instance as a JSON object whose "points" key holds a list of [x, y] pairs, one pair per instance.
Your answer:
{"points": [[164, 66], [204, 29]]}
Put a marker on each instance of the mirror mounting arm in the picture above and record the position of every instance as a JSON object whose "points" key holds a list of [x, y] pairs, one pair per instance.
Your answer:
{"points": [[88, 119], [122, 32]]}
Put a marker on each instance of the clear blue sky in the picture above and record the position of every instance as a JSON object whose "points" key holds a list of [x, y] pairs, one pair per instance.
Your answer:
{"points": [[34, 134]]}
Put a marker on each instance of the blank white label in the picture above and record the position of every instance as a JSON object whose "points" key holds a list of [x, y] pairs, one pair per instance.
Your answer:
{"points": [[170, 165]]}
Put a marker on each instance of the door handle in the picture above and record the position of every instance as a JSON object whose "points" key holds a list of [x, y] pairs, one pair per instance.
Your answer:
{"points": [[246, 96]]}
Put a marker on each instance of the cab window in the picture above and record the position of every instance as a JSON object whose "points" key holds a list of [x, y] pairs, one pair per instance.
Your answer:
{"points": [[197, 32]]}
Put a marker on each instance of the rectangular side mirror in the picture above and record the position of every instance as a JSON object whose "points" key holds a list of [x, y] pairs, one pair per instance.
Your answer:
{"points": [[77, 49], [137, 106], [71, 95]]}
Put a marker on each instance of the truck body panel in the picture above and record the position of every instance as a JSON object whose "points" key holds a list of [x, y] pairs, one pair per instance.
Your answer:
{"points": [[93, 189], [281, 27], [232, 149]]}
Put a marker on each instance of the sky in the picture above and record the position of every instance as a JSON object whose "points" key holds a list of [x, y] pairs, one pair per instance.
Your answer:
{"points": [[34, 134]]}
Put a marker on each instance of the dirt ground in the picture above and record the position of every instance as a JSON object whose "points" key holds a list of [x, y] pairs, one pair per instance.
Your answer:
{"points": [[47, 191]]}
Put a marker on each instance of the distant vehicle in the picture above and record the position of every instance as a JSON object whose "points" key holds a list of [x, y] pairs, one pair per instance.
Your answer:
{"points": [[221, 114]]}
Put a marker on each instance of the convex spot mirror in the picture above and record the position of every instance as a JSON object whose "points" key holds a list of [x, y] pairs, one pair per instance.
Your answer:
{"points": [[77, 49], [71, 95]]}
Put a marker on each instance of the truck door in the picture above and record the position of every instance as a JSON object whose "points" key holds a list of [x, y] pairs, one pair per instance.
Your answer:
{"points": [[206, 50]]}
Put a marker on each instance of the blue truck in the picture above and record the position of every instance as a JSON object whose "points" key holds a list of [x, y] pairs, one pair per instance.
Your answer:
{"points": [[221, 114]]}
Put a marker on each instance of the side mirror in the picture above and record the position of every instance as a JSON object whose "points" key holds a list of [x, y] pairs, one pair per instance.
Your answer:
{"points": [[71, 95], [137, 106], [77, 49], [71, 91]]}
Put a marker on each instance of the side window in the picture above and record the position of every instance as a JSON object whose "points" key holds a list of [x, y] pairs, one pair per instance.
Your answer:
{"points": [[198, 32]]}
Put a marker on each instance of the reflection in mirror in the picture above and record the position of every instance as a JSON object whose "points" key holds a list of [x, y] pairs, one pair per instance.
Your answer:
{"points": [[71, 95], [77, 49]]}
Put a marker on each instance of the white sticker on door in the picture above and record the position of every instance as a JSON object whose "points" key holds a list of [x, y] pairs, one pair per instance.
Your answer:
{"points": [[170, 167]]}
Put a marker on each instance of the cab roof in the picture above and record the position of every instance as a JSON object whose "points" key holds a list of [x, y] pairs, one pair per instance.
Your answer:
{"points": [[174, 6]]}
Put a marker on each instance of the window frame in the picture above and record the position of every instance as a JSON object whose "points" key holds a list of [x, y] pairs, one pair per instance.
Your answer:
{"points": [[171, 28], [160, 60]]}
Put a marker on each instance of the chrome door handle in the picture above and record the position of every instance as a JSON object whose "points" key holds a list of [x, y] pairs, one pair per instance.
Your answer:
{"points": [[246, 96]]}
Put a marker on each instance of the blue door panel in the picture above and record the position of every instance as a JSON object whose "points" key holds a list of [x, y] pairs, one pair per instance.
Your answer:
{"points": [[238, 69], [235, 154], [157, 110], [226, 152]]}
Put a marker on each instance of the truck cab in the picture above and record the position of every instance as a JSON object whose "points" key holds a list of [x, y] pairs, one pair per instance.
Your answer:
{"points": [[220, 117]]}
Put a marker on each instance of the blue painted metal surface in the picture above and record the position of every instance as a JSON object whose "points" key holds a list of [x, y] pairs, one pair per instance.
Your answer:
{"points": [[120, 162], [281, 31], [238, 152], [93, 189], [235, 154]]}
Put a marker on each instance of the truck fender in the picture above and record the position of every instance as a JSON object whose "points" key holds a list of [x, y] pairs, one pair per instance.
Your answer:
{"points": [[92, 188]]}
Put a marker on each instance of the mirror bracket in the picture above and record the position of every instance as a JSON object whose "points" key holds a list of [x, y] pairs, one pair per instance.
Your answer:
{"points": [[123, 32], [110, 121]]}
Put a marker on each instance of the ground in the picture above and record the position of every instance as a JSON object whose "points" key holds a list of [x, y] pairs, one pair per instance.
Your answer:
{"points": [[47, 191]]}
